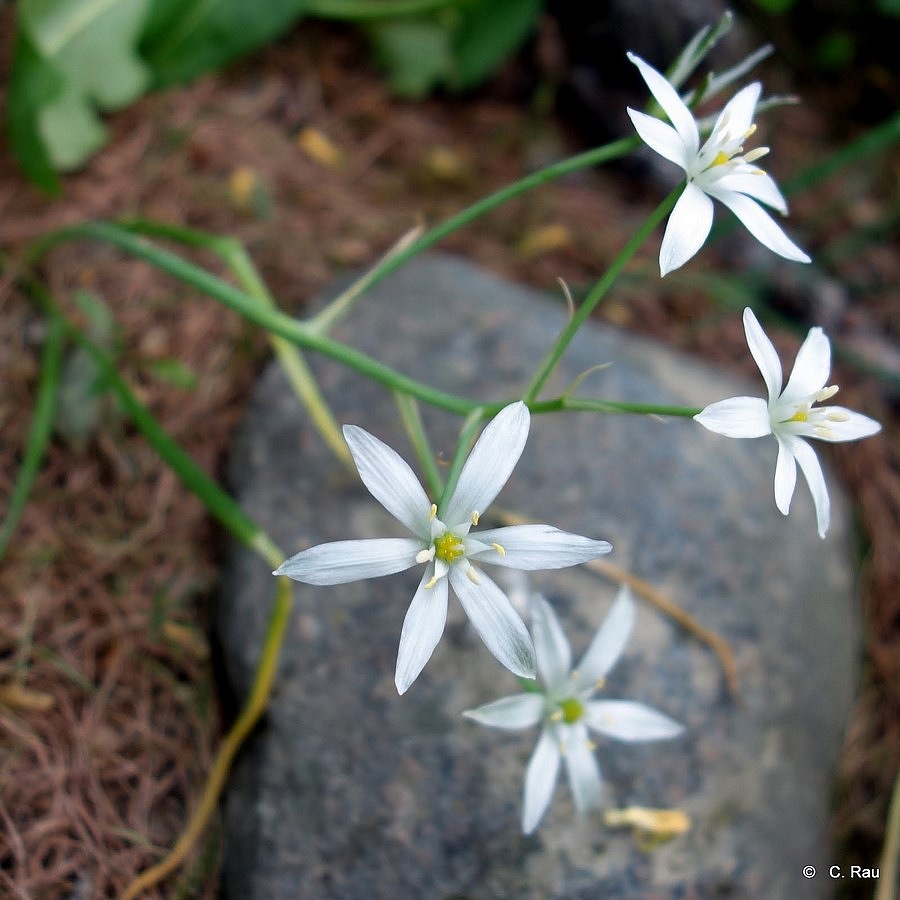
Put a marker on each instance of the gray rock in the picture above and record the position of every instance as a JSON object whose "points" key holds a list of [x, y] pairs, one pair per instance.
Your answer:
{"points": [[349, 791]]}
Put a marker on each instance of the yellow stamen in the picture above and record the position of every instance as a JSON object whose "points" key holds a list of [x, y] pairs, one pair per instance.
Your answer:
{"points": [[472, 575], [826, 393], [499, 549], [433, 512], [750, 130], [431, 582], [475, 517]]}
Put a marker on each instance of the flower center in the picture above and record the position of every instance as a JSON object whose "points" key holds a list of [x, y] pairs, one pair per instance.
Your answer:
{"points": [[449, 547], [572, 710]]}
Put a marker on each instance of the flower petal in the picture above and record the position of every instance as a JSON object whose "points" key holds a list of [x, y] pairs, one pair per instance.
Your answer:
{"points": [[811, 368], [737, 417], [673, 106], [609, 642], [341, 561], [582, 768], [764, 354], [627, 721], [532, 547], [540, 779], [759, 223], [551, 648], [510, 713], [422, 629], [847, 425], [736, 117], [812, 471], [489, 465], [495, 620], [389, 480], [660, 137], [756, 184], [785, 473], [686, 230]]}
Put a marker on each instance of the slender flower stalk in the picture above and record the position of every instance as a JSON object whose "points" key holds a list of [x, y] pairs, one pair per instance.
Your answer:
{"points": [[719, 169], [443, 543], [790, 415], [566, 710]]}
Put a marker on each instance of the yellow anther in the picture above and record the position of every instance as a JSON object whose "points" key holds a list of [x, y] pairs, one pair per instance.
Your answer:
{"points": [[556, 716], [475, 517], [750, 130], [472, 575], [499, 549], [599, 684], [431, 582], [433, 512], [756, 154], [426, 555], [591, 745], [838, 417]]}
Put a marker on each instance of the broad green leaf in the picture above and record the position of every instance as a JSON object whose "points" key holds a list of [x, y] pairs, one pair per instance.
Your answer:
{"points": [[488, 33], [417, 55], [89, 46], [33, 84], [185, 38]]}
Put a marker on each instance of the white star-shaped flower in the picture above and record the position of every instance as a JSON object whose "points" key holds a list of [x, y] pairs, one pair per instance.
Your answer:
{"points": [[444, 545], [567, 711], [791, 415], [719, 169]]}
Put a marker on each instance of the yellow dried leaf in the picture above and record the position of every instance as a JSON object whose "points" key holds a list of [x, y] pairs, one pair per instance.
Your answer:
{"points": [[18, 697], [320, 148], [658, 822], [544, 240]]}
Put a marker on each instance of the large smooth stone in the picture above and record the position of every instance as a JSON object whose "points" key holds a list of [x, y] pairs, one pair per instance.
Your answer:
{"points": [[350, 791]]}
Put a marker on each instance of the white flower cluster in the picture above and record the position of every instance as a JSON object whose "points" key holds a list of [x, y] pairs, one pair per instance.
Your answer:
{"points": [[444, 537]]}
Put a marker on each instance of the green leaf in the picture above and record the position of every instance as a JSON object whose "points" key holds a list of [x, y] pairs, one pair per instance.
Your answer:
{"points": [[85, 50], [417, 55], [487, 34], [185, 38], [33, 84]]}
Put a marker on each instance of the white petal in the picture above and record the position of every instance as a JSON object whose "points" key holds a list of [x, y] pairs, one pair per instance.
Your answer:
{"points": [[673, 106], [489, 465], [510, 713], [812, 471], [851, 427], [659, 136], [540, 779], [811, 368], [583, 771], [764, 354], [609, 641], [389, 479], [737, 114], [785, 473], [759, 223], [756, 184], [627, 721], [687, 229], [532, 547], [495, 620], [737, 417], [422, 629], [551, 648], [342, 561]]}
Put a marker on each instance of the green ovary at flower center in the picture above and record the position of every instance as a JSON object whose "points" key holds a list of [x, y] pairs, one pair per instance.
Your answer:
{"points": [[449, 547], [801, 415], [572, 710]]}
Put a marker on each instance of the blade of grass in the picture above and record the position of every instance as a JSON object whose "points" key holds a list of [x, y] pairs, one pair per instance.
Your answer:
{"points": [[41, 428]]}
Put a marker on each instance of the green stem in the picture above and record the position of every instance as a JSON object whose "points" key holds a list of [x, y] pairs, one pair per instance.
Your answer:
{"points": [[463, 445], [415, 429], [40, 430], [597, 293]]}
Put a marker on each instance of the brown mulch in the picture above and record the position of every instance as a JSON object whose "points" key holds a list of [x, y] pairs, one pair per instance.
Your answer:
{"points": [[105, 588]]}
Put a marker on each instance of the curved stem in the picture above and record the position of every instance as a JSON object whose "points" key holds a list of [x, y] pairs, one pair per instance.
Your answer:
{"points": [[597, 293]]}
